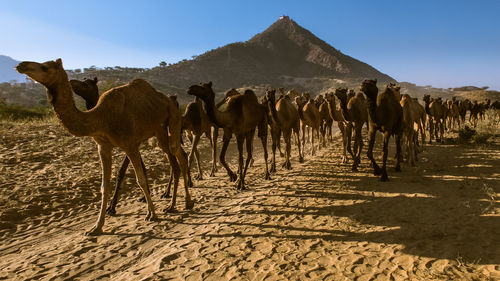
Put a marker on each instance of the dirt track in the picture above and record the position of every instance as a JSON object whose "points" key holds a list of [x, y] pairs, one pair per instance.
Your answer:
{"points": [[439, 220]]}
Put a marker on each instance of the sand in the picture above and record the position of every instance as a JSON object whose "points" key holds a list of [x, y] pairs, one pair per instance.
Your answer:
{"points": [[436, 221]]}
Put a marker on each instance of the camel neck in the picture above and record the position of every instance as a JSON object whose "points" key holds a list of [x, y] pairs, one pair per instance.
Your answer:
{"points": [[372, 108], [271, 104], [345, 112], [427, 107], [300, 109], [216, 116], [75, 121]]}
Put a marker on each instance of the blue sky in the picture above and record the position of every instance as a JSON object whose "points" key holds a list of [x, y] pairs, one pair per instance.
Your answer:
{"points": [[439, 43]]}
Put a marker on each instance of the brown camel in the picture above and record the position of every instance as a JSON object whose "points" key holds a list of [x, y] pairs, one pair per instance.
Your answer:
{"points": [[385, 115], [463, 106], [242, 116], [421, 121], [453, 114], [411, 115], [284, 117], [88, 90], [196, 122], [124, 117], [475, 110], [355, 114], [336, 114], [309, 116], [435, 115], [326, 119]]}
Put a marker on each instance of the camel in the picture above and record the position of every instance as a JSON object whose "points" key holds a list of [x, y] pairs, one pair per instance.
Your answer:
{"points": [[355, 114], [454, 114], [284, 117], [88, 90], [336, 115], [385, 115], [463, 106], [421, 121], [309, 116], [475, 110], [436, 114], [196, 122], [411, 115], [326, 119], [124, 117], [242, 116]]}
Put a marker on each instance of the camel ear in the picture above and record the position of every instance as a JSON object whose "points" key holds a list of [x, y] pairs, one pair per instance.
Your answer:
{"points": [[173, 97], [95, 80], [209, 84], [59, 62]]}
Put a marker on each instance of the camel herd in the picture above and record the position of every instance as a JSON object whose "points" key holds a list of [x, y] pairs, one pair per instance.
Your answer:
{"points": [[127, 115]]}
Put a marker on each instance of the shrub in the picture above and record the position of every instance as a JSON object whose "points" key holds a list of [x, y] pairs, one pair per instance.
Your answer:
{"points": [[466, 133], [17, 112]]}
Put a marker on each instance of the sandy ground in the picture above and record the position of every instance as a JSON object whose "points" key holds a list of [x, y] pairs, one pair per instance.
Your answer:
{"points": [[436, 221]]}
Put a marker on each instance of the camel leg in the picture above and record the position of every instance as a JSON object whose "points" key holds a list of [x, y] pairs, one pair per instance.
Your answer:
{"points": [[288, 139], [135, 159], [348, 133], [262, 134], [240, 182], [278, 143], [194, 153], [313, 150], [369, 152], [105, 157], [344, 140], [398, 151], [111, 210], [178, 162], [274, 144], [166, 194], [358, 144], [384, 176], [222, 157], [297, 136], [215, 135]]}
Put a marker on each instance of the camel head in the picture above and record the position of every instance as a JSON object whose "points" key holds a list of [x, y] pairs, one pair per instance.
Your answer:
{"points": [[427, 99], [300, 101], [341, 94], [350, 93], [395, 89], [369, 88], [87, 89], [203, 91], [319, 100], [47, 73], [282, 90], [329, 97], [270, 95], [306, 96]]}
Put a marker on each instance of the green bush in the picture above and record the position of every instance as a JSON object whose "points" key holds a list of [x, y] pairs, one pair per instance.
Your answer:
{"points": [[17, 112]]}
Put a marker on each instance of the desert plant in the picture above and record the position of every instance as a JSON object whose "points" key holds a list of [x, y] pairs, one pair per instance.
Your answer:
{"points": [[466, 133]]}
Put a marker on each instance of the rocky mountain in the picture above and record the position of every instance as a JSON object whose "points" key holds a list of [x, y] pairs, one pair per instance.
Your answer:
{"points": [[7, 71], [283, 54]]}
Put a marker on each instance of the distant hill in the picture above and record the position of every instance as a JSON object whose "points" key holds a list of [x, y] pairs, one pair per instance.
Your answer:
{"points": [[7, 71], [283, 52]]}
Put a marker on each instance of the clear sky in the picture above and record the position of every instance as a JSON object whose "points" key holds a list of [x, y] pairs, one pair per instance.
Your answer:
{"points": [[439, 43]]}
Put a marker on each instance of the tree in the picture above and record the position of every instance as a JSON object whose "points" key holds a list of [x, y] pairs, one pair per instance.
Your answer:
{"points": [[163, 64]]}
